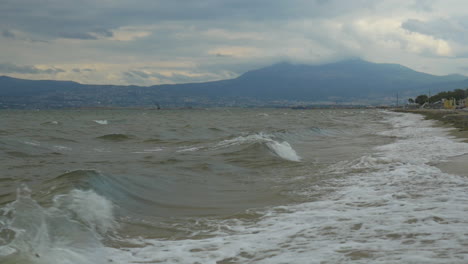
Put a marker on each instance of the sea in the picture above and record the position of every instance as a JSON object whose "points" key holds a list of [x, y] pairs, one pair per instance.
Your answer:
{"points": [[225, 186]]}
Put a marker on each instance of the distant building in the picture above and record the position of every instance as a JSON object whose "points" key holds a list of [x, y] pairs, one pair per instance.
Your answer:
{"points": [[452, 103], [462, 103], [449, 103]]}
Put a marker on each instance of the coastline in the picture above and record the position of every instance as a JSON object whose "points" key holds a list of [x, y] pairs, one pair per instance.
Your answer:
{"points": [[457, 119]]}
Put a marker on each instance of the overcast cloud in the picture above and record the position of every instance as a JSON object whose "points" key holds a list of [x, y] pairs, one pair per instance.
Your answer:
{"points": [[149, 42]]}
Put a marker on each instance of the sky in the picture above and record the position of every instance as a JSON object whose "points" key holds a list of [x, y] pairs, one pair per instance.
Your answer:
{"points": [[149, 42]]}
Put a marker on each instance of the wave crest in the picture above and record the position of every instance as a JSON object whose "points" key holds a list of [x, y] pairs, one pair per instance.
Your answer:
{"points": [[281, 149]]}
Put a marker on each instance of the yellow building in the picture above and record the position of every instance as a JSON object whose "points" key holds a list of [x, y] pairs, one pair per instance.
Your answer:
{"points": [[449, 103]]}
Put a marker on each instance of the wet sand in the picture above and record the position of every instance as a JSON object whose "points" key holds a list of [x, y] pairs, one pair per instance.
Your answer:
{"points": [[457, 119]]}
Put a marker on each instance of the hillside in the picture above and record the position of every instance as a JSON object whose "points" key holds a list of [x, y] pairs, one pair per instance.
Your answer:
{"points": [[346, 81]]}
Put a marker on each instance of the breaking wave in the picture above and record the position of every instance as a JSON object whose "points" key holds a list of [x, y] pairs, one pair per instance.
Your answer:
{"points": [[101, 122], [69, 231], [280, 148]]}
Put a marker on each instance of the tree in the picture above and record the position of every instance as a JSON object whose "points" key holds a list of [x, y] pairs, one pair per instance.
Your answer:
{"points": [[411, 101], [421, 99], [459, 94]]}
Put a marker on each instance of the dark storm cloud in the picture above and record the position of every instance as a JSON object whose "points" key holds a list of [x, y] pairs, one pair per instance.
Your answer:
{"points": [[182, 78], [76, 35], [76, 70], [79, 19], [136, 76], [139, 74], [191, 40], [54, 18], [94, 34], [8, 34], [11, 68], [453, 29]]}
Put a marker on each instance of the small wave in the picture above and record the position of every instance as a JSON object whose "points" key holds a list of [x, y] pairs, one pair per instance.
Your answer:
{"points": [[19, 154], [154, 150], [101, 122], [32, 143], [69, 180], [191, 149], [58, 148], [282, 149], [51, 123], [146, 151], [115, 137], [60, 139], [102, 150], [153, 140]]}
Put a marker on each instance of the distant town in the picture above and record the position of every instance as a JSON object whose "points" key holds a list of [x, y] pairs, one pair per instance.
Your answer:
{"points": [[457, 99]]}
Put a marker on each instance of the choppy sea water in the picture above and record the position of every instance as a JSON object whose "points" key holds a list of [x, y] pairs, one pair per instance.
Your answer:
{"points": [[229, 186]]}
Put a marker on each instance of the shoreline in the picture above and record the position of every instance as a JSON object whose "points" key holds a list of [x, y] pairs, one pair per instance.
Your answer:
{"points": [[457, 119]]}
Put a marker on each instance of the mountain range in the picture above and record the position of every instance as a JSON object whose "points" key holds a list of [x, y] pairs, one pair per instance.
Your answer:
{"points": [[284, 84]]}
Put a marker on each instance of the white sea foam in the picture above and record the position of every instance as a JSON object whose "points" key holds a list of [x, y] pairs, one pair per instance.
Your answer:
{"points": [[146, 151], [419, 141], [154, 150], [58, 147], [188, 149], [51, 123], [88, 207], [101, 122], [102, 150], [390, 206], [32, 143]]}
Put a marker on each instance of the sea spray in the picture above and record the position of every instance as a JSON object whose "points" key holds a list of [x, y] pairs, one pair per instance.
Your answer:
{"points": [[88, 207]]}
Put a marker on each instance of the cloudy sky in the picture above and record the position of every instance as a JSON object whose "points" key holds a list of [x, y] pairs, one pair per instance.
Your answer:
{"points": [[146, 42]]}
